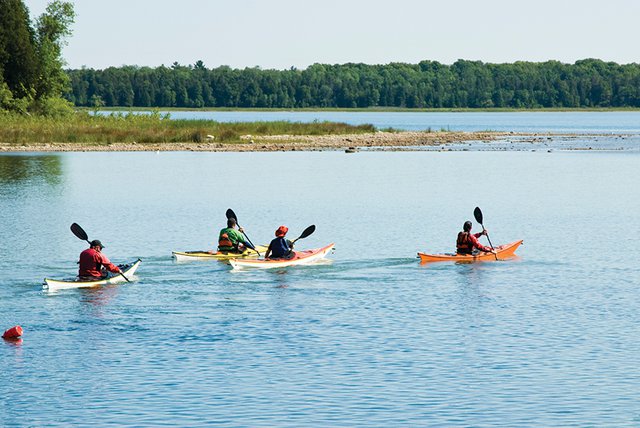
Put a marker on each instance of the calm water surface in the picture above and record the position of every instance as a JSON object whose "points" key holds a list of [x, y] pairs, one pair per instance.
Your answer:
{"points": [[627, 122], [371, 339]]}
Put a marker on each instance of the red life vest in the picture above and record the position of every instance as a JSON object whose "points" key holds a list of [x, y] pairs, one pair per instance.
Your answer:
{"points": [[225, 242], [464, 244]]}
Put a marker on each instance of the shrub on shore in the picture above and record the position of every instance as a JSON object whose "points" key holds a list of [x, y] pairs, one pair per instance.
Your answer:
{"points": [[88, 128]]}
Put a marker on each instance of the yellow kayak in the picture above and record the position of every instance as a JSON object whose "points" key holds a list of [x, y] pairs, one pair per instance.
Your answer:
{"points": [[182, 256]]}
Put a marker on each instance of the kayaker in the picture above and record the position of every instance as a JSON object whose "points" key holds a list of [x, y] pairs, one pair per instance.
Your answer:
{"points": [[231, 240], [94, 264], [467, 242], [280, 248]]}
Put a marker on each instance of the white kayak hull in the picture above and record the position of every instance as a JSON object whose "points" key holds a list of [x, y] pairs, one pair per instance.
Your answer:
{"points": [[301, 258], [56, 284]]}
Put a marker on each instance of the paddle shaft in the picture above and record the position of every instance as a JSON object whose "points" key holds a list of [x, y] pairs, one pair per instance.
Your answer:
{"points": [[488, 239], [308, 231], [231, 214], [249, 240], [487, 235], [477, 213]]}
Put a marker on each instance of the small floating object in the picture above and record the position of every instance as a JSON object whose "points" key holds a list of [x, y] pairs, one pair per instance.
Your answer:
{"points": [[13, 333], [351, 150]]}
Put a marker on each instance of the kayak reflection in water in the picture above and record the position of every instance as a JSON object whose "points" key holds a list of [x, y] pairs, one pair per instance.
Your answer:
{"points": [[94, 264], [280, 248], [467, 242], [231, 240]]}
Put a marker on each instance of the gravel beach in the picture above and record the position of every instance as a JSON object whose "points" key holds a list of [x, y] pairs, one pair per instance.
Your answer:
{"points": [[276, 143]]}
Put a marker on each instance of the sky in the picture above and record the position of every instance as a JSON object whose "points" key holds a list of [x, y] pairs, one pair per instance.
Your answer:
{"points": [[279, 34]]}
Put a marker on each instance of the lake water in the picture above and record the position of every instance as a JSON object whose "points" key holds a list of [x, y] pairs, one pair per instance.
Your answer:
{"points": [[372, 339], [603, 122]]}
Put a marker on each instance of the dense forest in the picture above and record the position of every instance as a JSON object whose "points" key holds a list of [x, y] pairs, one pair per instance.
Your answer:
{"points": [[429, 84], [32, 79]]}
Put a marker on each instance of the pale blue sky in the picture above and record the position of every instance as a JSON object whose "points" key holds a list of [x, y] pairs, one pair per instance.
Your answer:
{"points": [[284, 33]]}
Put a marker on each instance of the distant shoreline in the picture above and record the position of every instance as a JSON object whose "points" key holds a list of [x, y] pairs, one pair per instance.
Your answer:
{"points": [[371, 109], [273, 143]]}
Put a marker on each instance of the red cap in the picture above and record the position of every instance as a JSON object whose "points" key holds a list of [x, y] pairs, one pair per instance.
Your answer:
{"points": [[13, 333], [282, 230]]}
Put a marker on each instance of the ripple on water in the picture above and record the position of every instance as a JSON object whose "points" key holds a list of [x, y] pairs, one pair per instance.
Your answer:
{"points": [[372, 339]]}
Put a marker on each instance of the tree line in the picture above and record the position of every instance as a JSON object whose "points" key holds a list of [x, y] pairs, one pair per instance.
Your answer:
{"points": [[32, 78], [428, 84]]}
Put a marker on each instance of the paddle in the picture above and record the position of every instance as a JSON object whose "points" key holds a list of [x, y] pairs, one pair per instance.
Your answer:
{"points": [[81, 234], [308, 231], [231, 214], [477, 213]]}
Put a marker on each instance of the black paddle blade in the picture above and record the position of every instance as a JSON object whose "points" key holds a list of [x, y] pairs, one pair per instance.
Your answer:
{"points": [[79, 232], [478, 215], [231, 214], [308, 231]]}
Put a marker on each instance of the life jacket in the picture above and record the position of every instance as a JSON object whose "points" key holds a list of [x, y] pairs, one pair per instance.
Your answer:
{"points": [[225, 242], [464, 244]]}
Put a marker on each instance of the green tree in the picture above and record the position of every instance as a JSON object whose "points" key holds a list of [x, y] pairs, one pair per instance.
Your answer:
{"points": [[31, 61], [17, 52], [467, 84], [52, 28]]}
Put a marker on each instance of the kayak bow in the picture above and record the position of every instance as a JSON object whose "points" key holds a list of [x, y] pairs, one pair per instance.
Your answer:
{"points": [[504, 251], [300, 258], [115, 278]]}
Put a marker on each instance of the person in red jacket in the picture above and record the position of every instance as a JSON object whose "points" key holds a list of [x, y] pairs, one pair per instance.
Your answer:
{"points": [[467, 242], [93, 263]]}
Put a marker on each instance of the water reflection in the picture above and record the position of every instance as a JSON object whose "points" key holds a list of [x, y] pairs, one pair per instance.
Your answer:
{"points": [[281, 278], [15, 168], [468, 267], [99, 296], [17, 342]]}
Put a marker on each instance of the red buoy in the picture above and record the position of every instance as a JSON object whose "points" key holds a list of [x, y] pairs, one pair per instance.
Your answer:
{"points": [[13, 333]]}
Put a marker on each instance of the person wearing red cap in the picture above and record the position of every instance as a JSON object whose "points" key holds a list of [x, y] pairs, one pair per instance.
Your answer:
{"points": [[93, 263], [280, 248]]}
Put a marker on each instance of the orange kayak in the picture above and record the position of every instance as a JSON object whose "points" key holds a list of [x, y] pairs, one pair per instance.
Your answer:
{"points": [[504, 252]]}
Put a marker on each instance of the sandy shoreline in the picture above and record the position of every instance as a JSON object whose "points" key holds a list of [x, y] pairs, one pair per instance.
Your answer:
{"points": [[276, 143], [388, 141]]}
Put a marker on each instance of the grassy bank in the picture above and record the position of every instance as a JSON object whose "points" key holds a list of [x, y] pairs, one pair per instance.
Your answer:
{"points": [[85, 128]]}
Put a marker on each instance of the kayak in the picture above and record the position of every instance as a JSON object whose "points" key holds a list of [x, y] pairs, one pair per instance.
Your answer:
{"points": [[183, 256], [300, 258], [114, 278], [504, 251]]}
